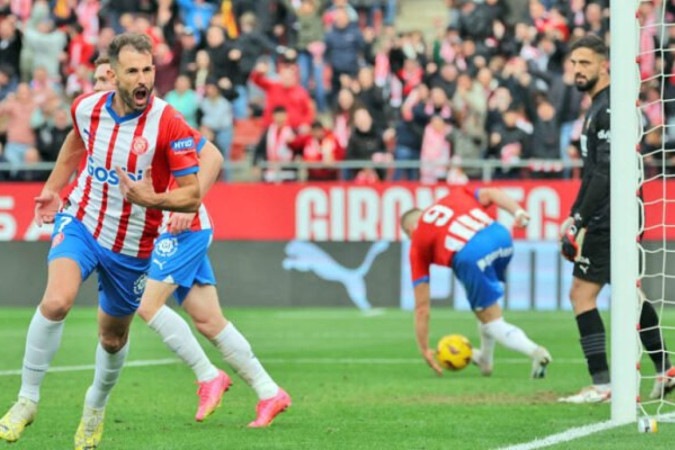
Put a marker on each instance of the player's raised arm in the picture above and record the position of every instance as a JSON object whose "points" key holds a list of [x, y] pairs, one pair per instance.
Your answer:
{"points": [[495, 196]]}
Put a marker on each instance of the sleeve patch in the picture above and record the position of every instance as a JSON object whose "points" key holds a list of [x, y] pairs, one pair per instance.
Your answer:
{"points": [[183, 145]]}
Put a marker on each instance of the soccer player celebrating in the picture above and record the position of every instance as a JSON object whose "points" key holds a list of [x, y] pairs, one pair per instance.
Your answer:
{"points": [[104, 228], [180, 265], [585, 234], [457, 232]]}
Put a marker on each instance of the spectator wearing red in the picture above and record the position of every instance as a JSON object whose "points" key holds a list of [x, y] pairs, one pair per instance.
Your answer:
{"points": [[80, 50], [320, 145], [273, 147], [287, 93], [411, 75]]}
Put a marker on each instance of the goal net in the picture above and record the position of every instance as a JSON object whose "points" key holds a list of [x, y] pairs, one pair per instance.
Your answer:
{"points": [[654, 73]]}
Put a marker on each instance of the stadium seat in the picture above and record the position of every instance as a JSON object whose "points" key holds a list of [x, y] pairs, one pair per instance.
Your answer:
{"points": [[246, 132]]}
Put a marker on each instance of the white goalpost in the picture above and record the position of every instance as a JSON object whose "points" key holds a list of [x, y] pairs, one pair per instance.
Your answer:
{"points": [[642, 195], [625, 134]]}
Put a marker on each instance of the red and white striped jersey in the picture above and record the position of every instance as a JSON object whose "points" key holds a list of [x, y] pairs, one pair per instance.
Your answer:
{"points": [[443, 230], [158, 137]]}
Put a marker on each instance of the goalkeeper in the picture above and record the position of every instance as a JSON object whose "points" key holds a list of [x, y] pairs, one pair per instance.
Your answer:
{"points": [[585, 235]]}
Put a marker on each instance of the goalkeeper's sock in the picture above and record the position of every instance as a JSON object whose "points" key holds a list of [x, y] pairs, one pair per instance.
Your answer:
{"points": [[238, 354], [106, 373], [592, 332], [176, 334], [650, 335], [509, 335], [42, 342]]}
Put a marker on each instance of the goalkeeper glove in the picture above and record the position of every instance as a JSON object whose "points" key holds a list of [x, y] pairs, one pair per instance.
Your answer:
{"points": [[572, 238]]}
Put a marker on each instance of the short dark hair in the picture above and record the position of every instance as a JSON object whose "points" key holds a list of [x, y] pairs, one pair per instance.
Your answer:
{"points": [[139, 42], [279, 109], [591, 42], [101, 60]]}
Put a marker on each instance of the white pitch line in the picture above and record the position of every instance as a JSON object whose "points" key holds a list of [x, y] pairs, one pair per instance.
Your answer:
{"points": [[322, 361], [575, 433], [85, 367]]}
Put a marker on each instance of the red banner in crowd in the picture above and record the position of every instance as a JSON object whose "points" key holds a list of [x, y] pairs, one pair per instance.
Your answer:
{"points": [[345, 212]]}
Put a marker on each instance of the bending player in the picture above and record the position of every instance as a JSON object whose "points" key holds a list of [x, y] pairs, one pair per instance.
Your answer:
{"points": [[457, 232], [187, 237], [98, 228], [585, 237]]}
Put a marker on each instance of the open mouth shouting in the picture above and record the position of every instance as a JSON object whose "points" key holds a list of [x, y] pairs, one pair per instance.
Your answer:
{"points": [[141, 96]]}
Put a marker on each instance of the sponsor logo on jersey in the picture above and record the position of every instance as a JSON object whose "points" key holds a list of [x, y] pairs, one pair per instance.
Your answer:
{"points": [[139, 145], [604, 135], [182, 145], [103, 175]]}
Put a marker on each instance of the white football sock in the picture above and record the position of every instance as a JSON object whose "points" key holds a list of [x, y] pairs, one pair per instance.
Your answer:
{"points": [[487, 345], [42, 342], [176, 334], [237, 353], [510, 336], [106, 373]]}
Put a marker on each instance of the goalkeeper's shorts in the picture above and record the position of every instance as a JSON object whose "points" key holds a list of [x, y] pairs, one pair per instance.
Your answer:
{"points": [[593, 264]]}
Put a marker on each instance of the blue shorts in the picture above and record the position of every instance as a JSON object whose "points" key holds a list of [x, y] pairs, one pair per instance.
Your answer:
{"points": [[481, 265], [182, 259], [121, 278]]}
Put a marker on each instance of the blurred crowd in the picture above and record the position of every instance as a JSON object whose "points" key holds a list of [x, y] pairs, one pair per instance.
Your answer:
{"points": [[332, 80]]}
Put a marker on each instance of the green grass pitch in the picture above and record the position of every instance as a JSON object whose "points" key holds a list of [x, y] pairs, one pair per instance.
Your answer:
{"points": [[357, 382]]}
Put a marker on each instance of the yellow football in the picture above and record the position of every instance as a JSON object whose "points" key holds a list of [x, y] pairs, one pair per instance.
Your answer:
{"points": [[454, 352]]}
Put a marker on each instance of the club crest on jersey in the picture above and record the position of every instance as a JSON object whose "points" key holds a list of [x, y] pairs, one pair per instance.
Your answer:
{"points": [[139, 285], [182, 145], [139, 145], [167, 247]]}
